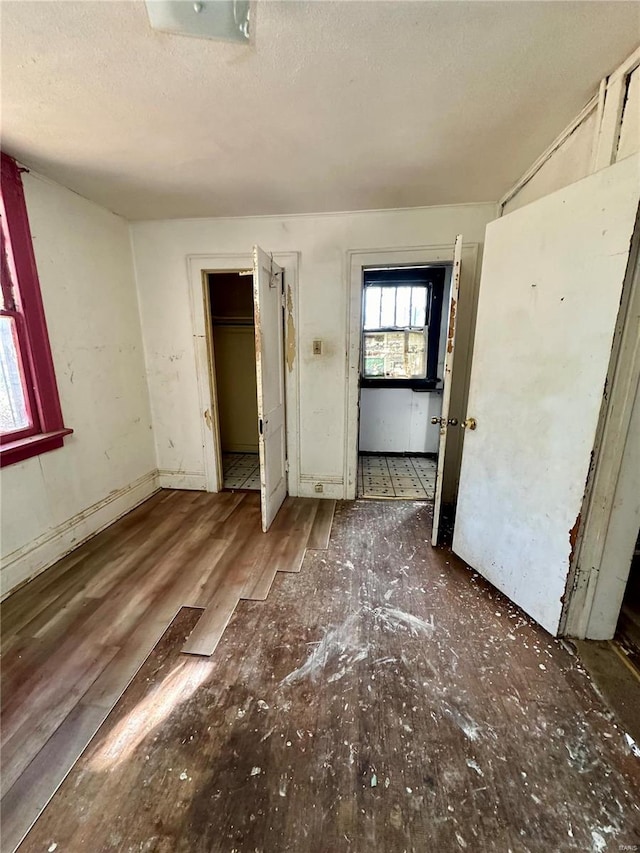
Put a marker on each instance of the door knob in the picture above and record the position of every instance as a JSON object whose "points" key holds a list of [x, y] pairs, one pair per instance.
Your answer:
{"points": [[435, 421], [453, 422], [469, 423]]}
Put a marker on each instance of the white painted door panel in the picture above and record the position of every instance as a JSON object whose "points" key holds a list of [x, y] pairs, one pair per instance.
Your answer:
{"points": [[267, 294], [549, 295], [446, 389]]}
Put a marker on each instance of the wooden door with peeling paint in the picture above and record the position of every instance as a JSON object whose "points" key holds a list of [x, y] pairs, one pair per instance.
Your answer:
{"points": [[268, 305], [445, 426], [549, 298]]}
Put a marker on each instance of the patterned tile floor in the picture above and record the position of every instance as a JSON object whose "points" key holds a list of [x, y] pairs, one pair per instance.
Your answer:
{"points": [[411, 477], [241, 471]]}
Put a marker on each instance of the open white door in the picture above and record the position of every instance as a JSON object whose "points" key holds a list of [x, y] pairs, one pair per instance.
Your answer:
{"points": [[267, 295], [446, 390], [549, 296]]}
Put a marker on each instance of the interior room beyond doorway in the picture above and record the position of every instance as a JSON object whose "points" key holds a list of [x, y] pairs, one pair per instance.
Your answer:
{"points": [[408, 477], [234, 363], [401, 379]]}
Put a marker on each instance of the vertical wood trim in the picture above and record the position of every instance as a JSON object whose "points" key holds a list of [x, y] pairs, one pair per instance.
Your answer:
{"points": [[610, 126], [587, 569], [290, 262], [602, 94], [211, 417]]}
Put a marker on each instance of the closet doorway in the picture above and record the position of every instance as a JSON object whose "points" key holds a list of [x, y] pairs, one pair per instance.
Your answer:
{"points": [[241, 378], [234, 367]]}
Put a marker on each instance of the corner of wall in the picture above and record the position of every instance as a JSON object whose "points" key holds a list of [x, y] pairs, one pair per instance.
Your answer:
{"points": [[27, 562], [145, 353]]}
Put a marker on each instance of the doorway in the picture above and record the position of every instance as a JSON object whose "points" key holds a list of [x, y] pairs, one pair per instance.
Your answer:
{"points": [[276, 335], [403, 339], [627, 634], [234, 373], [271, 298]]}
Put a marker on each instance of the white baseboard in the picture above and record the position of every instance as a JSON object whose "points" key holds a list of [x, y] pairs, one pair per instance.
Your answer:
{"points": [[26, 562], [192, 480], [332, 487]]}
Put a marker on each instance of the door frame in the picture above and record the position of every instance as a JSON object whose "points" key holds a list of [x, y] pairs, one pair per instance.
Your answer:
{"points": [[357, 261], [198, 266], [596, 583]]}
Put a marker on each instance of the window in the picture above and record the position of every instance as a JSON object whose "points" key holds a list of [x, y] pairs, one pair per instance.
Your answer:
{"points": [[401, 326], [30, 415]]}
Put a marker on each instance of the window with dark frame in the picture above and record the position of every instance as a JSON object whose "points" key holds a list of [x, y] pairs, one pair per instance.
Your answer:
{"points": [[402, 308], [30, 415]]}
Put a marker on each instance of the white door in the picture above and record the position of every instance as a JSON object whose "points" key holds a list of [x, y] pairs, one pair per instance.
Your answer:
{"points": [[446, 390], [549, 296], [267, 295]]}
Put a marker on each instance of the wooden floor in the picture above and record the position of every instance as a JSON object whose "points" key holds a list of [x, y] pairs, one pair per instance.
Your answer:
{"points": [[73, 638], [384, 699]]}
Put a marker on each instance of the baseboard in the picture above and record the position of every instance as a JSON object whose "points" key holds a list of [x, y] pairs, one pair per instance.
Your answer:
{"points": [[190, 480], [332, 486], [25, 563], [427, 454]]}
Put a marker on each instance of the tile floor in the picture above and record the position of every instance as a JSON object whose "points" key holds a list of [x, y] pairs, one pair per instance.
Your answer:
{"points": [[241, 471], [411, 477]]}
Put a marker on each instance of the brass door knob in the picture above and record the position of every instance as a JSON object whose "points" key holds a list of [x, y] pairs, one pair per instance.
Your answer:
{"points": [[469, 423], [435, 421]]}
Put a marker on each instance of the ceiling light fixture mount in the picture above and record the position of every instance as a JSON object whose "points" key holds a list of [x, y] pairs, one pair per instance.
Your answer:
{"points": [[227, 20]]}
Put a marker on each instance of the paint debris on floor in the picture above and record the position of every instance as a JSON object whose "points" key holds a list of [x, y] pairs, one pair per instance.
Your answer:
{"points": [[386, 699], [408, 477]]}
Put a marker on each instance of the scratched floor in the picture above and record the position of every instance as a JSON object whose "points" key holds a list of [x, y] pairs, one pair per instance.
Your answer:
{"points": [[384, 699]]}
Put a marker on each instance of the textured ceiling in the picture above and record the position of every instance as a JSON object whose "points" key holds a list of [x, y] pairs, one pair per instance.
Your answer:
{"points": [[335, 106]]}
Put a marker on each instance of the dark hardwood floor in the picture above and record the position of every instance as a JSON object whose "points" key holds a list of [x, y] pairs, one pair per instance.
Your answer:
{"points": [[384, 699], [74, 637]]}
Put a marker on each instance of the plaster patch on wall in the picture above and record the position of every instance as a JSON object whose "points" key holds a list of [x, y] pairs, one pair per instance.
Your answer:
{"points": [[291, 332]]}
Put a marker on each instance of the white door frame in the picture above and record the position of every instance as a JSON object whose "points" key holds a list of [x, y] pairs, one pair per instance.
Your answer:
{"points": [[197, 266], [357, 260], [598, 575]]}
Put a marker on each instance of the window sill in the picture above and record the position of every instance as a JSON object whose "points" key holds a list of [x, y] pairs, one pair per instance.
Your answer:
{"points": [[34, 445], [414, 384]]}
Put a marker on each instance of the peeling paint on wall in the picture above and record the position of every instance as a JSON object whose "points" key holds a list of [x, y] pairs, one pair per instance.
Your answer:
{"points": [[452, 325], [290, 332], [452, 316], [573, 537]]}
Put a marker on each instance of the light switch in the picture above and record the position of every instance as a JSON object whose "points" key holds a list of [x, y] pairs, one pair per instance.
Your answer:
{"points": [[317, 347]]}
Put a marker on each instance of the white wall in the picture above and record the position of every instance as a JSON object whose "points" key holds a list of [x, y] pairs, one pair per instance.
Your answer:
{"points": [[397, 420], [161, 250], [235, 371], [52, 502]]}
